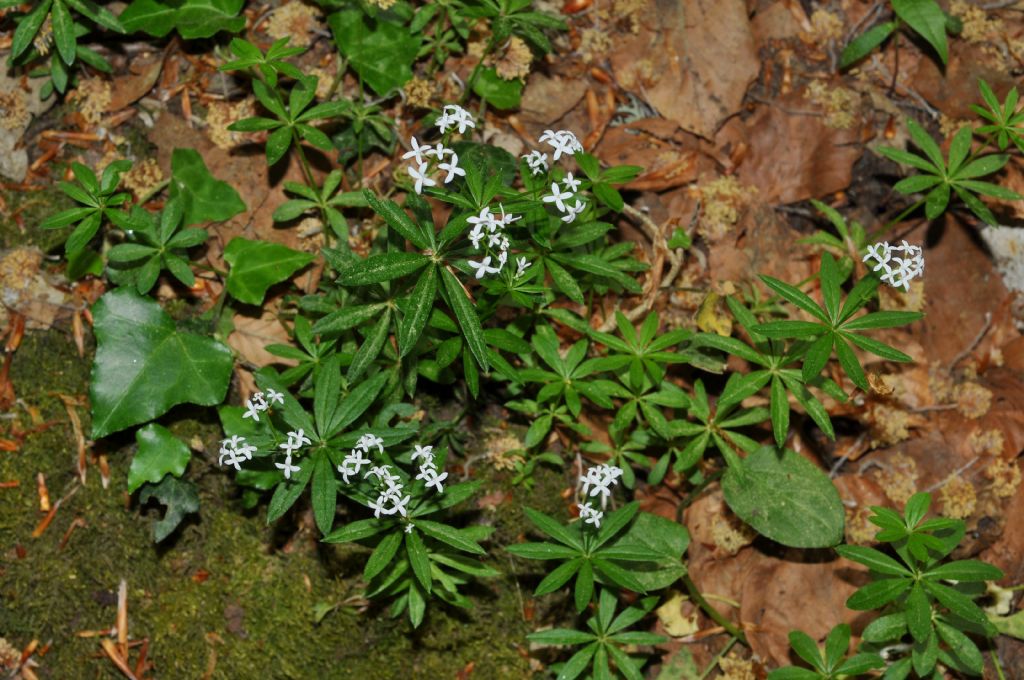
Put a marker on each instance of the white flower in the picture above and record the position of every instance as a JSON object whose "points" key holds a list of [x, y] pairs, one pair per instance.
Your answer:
{"points": [[287, 466], [483, 267], [521, 266], [368, 441], [417, 151], [254, 406], [409, 527], [299, 438], [233, 453], [484, 219], [378, 506], [399, 505], [436, 480], [601, 478], [275, 396], [381, 472], [571, 183], [476, 235], [353, 462], [495, 238], [557, 197], [457, 116], [509, 218], [424, 452], [562, 141], [590, 515], [502, 258], [537, 162], [574, 211], [420, 175], [438, 151], [452, 168]]}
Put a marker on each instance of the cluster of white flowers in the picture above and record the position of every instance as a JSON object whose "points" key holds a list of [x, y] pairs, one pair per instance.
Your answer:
{"points": [[561, 198], [421, 154], [488, 234], [234, 450], [296, 440], [899, 270], [562, 141], [454, 115], [258, 403], [391, 499], [597, 482], [537, 161]]}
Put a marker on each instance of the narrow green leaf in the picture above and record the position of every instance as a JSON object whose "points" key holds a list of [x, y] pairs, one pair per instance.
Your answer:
{"points": [[467, 317], [420, 302], [382, 267]]}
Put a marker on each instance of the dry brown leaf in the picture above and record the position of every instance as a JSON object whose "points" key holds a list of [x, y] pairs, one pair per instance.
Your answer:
{"points": [[128, 88], [252, 334], [961, 288], [546, 99], [695, 66], [791, 154]]}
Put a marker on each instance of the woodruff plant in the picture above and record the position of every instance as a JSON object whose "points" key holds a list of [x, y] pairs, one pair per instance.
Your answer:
{"points": [[926, 603]]}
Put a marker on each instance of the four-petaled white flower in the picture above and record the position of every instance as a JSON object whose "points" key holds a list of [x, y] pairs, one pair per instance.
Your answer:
{"points": [[438, 151], [557, 197], [483, 267], [476, 235], [521, 266], [287, 467], [571, 183], [424, 452], [435, 481], [452, 168], [417, 151], [573, 211], [409, 527], [420, 175], [274, 396]]}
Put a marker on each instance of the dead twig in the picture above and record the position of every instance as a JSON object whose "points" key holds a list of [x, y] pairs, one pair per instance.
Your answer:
{"points": [[963, 354]]}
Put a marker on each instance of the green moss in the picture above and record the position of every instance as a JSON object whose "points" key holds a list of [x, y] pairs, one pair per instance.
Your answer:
{"points": [[31, 208], [223, 591]]}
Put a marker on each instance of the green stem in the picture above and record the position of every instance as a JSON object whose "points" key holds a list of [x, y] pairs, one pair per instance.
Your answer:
{"points": [[714, 660], [999, 667], [475, 73], [699, 600], [307, 173]]}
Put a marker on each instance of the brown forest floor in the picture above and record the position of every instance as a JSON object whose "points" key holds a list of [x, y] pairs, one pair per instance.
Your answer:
{"points": [[738, 115]]}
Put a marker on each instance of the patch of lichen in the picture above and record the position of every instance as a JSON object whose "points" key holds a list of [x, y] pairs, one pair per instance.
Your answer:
{"points": [[217, 593]]}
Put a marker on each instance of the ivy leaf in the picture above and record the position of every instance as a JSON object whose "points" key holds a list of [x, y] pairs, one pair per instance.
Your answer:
{"points": [[160, 453], [144, 365], [204, 198], [496, 91], [179, 496], [379, 49], [257, 265], [786, 498], [193, 19]]}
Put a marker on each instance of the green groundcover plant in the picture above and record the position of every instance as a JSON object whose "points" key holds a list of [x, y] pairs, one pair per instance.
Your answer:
{"points": [[476, 282]]}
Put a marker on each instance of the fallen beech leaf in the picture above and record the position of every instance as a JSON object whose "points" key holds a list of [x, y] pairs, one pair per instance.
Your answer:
{"points": [[694, 68]]}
